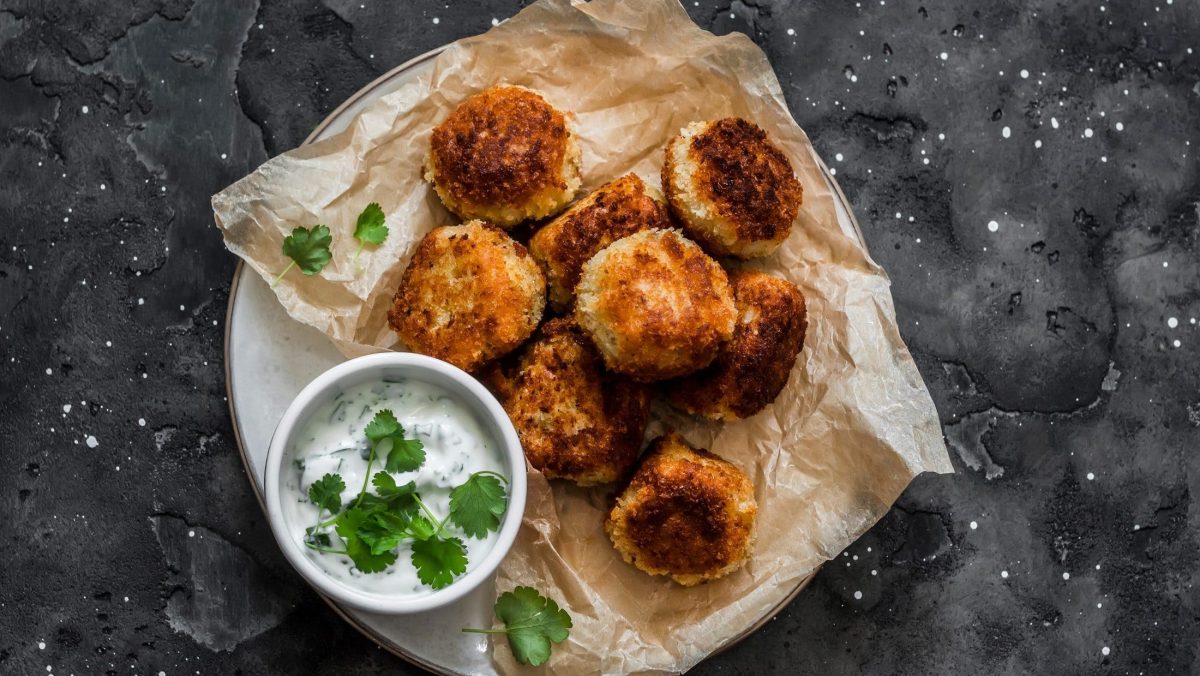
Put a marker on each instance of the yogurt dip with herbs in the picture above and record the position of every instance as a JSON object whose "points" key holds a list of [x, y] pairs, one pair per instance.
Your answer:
{"points": [[394, 488]]}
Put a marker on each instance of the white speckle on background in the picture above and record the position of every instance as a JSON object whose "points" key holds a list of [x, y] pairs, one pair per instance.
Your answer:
{"points": [[943, 56], [839, 157], [1087, 133], [993, 226], [49, 372], [141, 422], [974, 525], [141, 301], [1177, 343], [857, 595], [495, 21], [1066, 575], [1006, 132], [1054, 122], [1172, 322], [1024, 74], [1120, 127], [436, 20], [1037, 143], [91, 441], [41, 645], [791, 31], [191, 533], [1004, 574], [1091, 476], [874, 572], [66, 408], [224, 156], [85, 110], [1105, 651]]}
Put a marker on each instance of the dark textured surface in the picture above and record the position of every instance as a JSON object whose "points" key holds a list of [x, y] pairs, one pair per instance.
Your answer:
{"points": [[1066, 542]]}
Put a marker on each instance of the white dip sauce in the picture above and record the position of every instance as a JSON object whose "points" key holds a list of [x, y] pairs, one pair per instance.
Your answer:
{"points": [[334, 441]]}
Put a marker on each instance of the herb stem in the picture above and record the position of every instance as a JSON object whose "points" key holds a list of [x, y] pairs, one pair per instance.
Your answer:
{"points": [[354, 258], [441, 523], [327, 550], [485, 631], [367, 475], [285, 271]]}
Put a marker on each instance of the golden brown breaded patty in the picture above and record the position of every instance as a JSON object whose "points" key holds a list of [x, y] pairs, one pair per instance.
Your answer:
{"points": [[754, 365], [576, 421], [504, 155], [686, 513], [732, 189], [655, 305], [469, 294], [614, 210]]}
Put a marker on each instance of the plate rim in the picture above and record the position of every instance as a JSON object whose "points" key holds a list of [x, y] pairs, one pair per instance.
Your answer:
{"points": [[249, 469]]}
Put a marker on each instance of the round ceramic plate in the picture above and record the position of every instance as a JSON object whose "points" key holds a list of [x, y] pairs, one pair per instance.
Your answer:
{"points": [[269, 358]]}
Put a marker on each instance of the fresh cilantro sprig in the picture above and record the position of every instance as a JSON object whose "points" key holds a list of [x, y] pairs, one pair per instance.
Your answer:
{"points": [[308, 249], [371, 526], [477, 505], [532, 622], [369, 229]]}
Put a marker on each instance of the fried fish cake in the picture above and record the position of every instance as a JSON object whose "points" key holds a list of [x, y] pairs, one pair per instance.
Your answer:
{"points": [[504, 155], [614, 210], [754, 365], [470, 294], [733, 190], [686, 513], [655, 305], [576, 421]]}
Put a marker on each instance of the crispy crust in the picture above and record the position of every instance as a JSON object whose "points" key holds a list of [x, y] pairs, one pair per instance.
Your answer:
{"points": [[738, 195], [469, 294], [755, 364], [505, 155], [686, 513], [655, 305], [575, 420], [614, 210]]}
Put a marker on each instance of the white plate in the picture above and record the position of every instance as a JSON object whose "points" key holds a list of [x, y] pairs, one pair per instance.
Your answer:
{"points": [[269, 358]]}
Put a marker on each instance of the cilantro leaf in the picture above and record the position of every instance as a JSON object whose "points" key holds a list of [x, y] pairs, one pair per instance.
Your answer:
{"points": [[383, 425], [477, 505], [308, 249], [326, 492], [383, 531], [407, 455], [403, 455], [347, 525], [385, 486], [532, 621], [439, 560], [421, 528], [370, 228]]}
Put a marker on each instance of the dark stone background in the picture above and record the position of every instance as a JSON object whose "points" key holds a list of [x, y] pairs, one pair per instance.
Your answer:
{"points": [[1070, 399]]}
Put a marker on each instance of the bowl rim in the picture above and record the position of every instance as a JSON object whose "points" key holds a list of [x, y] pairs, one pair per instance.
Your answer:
{"points": [[434, 371]]}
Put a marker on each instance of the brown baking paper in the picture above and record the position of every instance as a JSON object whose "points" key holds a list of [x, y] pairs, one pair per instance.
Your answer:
{"points": [[853, 426]]}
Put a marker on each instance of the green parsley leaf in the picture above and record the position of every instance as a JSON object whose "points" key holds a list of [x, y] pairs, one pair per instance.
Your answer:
{"points": [[347, 525], [383, 531], [308, 249], [439, 560], [532, 621], [403, 455], [326, 492], [477, 505], [370, 228]]}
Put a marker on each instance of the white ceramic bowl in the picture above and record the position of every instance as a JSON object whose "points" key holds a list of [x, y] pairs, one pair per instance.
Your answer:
{"points": [[474, 396]]}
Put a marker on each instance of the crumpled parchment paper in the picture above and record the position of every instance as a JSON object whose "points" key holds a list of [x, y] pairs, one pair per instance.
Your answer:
{"points": [[853, 426]]}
